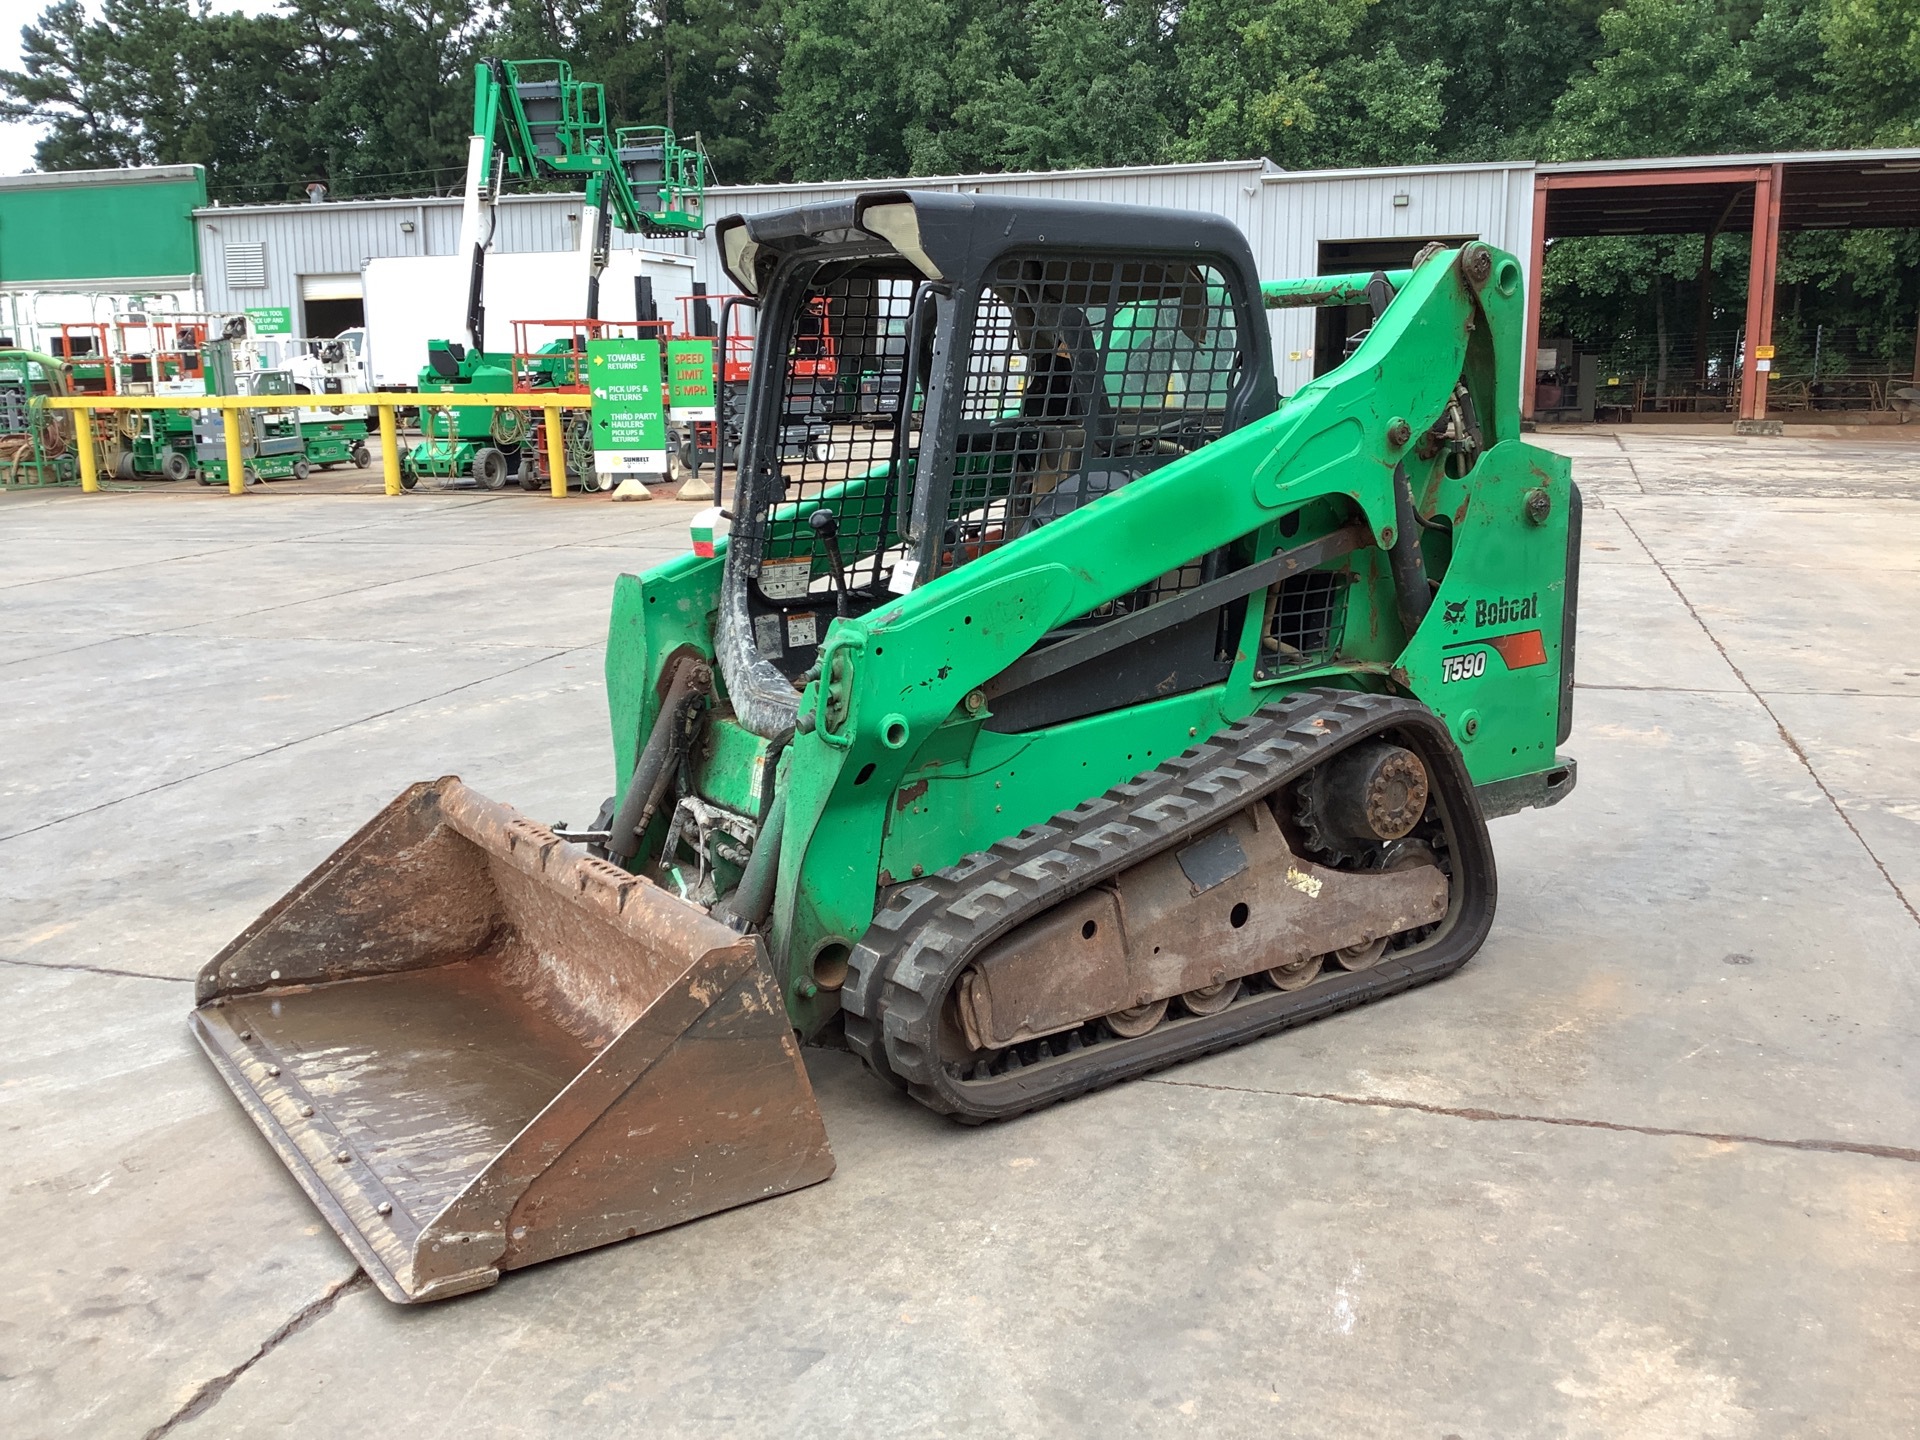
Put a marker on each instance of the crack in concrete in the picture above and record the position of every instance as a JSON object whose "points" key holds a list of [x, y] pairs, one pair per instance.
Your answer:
{"points": [[415, 641], [289, 744], [209, 1394], [1786, 736], [1632, 469], [187, 631], [225, 548], [317, 537], [439, 644], [1735, 690], [130, 565], [72, 649], [1659, 689], [1470, 1112], [95, 970]]}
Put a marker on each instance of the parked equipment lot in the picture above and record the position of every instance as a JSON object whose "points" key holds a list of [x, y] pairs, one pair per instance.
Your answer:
{"points": [[1649, 1165]]}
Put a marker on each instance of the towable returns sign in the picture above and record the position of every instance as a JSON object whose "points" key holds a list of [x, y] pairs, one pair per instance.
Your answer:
{"points": [[629, 418]]}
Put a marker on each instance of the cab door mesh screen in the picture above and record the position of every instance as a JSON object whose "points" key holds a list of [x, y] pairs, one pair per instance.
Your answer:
{"points": [[1084, 374], [840, 406]]}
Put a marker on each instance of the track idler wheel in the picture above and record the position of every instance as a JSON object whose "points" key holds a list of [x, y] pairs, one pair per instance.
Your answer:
{"points": [[1297, 975], [1138, 1020], [1373, 793], [1360, 957], [1211, 999]]}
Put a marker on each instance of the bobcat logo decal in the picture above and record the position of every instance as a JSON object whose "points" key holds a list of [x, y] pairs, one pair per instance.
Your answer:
{"points": [[1456, 612]]}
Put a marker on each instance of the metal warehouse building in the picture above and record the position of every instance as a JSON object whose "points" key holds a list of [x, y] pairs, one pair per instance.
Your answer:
{"points": [[76, 243], [310, 258], [1309, 222], [288, 255]]}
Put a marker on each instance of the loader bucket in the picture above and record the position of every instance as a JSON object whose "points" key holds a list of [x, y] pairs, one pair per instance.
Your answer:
{"points": [[478, 1047]]}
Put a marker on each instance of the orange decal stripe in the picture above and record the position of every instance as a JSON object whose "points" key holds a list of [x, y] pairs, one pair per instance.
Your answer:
{"points": [[1521, 650]]}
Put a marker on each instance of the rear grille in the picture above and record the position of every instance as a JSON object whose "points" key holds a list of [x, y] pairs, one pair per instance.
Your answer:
{"points": [[1304, 624]]}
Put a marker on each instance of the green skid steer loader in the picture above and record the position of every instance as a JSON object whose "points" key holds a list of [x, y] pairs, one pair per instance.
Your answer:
{"points": [[1083, 708]]}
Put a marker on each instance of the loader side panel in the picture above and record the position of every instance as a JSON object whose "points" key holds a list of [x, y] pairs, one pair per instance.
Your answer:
{"points": [[668, 611], [1489, 656]]}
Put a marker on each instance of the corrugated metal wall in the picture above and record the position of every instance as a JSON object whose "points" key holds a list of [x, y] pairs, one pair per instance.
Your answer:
{"points": [[1286, 217], [339, 237], [1182, 187], [1231, 188], [1300, 212]]}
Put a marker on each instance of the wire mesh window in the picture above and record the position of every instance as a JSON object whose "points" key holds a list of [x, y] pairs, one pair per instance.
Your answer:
{"points": [[839, 412], [1084, 374], [1177, 580], [1305, 616]]}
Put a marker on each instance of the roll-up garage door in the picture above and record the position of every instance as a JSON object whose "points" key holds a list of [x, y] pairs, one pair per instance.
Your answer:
{"points": [[330, 287], [330, 304]]}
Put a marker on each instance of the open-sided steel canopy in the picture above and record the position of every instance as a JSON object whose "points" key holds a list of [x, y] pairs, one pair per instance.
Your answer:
{"points": [[1704, 195]]}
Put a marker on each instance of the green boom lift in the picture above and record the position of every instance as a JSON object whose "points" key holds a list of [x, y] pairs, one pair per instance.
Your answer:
{"points": [[36, 443], [533, 121], [1087, 708]]}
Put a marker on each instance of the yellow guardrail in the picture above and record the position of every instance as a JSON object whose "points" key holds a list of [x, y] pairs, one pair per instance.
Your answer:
{"points": [[384, 402]]}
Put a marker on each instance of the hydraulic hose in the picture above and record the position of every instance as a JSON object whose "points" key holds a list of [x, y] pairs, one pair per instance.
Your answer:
{"points": [[1411, 592], [653, 769], [752, 898]]}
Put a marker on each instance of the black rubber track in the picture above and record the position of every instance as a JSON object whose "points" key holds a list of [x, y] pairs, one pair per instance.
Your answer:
{"points": [[930, 930]]}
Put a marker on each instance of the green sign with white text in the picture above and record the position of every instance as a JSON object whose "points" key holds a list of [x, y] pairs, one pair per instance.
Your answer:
{"points": [[690, 379], [271, 319], [629, 413]]}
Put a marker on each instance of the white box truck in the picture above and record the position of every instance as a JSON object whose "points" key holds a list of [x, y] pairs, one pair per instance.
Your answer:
{"points": [[412, 299]]}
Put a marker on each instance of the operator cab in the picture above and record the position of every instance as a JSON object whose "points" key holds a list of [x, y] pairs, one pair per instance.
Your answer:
{"points": [[937, 375]]}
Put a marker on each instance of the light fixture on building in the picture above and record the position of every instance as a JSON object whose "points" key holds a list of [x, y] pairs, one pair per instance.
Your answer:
{"points": [[406, 227], [1402, 200]]}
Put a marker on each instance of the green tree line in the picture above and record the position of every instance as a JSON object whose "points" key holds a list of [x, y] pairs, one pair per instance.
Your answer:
{"points": [[374, 96]]}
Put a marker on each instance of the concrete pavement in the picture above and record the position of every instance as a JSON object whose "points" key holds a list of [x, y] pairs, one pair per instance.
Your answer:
{"points": [[1649, 1166]]}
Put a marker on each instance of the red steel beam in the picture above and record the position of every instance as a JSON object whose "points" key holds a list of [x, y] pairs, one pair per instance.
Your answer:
{"points": [[1627, 181], [1634, 179], [1535, 266], [1760, 284]]}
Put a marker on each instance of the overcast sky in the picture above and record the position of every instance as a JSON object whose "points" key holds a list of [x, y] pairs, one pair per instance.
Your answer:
{"points": [[17, 140]]}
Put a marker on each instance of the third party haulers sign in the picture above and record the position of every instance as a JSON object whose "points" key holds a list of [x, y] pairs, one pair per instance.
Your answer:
{"points": [[690, 379], [629, 419]]}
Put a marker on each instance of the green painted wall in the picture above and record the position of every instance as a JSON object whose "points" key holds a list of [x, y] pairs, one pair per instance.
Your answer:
{"points": [[106, 232]]}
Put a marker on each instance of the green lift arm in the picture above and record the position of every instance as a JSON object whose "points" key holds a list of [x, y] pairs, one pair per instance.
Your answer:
{"points": [[533, 121]]}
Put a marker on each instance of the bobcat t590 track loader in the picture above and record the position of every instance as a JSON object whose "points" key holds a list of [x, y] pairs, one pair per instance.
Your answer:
{"points": [[1079, 706]]}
